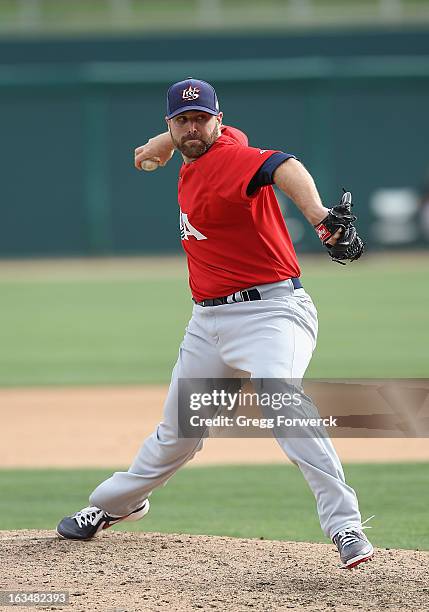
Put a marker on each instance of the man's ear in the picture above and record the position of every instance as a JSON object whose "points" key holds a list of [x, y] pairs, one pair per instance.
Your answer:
{"points": [[219, 118]]}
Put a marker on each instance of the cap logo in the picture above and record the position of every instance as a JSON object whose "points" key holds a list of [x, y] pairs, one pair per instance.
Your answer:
{"points": [[192, 93]]}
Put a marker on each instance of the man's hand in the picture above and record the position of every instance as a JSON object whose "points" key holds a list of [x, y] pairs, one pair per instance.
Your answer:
{"points": [[334, 239], [338, 233], [159, 149]]}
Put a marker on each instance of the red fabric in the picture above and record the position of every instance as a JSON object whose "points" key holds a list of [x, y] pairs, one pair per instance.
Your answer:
{"points": [[232, 240]]}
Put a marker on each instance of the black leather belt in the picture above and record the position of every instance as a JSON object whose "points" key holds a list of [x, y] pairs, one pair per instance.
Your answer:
{"points": [[247, 295], [296, 283]]}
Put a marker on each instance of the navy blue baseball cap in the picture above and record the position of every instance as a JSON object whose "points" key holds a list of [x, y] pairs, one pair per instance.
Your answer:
{"points": [[191, 94]]}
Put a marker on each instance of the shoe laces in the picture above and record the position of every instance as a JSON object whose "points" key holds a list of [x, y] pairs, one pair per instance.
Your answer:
{"points": [[368, 519], [88, 516], [351, 536]]}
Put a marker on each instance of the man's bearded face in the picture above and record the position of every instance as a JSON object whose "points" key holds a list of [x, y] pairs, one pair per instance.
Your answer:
{"points": [[194, 132]]}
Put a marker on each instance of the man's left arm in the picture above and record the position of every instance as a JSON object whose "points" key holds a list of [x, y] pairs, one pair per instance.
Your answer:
{"points": [[334, 226], [298, 184]]}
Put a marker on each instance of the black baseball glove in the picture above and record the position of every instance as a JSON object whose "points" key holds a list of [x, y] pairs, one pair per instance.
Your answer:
{"points": [[348, 246]]}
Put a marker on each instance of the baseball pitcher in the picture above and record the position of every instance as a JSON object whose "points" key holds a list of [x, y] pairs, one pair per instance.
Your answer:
{"points": [[251, 313]]}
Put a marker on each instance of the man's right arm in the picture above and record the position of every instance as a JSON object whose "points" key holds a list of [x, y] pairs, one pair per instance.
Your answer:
{"points": [[159, 148]]}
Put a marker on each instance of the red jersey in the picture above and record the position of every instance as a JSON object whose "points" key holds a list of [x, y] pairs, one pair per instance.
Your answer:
{"points": [[232, 240]]}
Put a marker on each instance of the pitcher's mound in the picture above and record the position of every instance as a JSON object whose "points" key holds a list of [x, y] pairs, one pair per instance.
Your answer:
{"points": [[135, 572]]}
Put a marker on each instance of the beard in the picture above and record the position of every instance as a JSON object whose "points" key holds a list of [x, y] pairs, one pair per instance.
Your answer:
{"points": [[193, 146]]}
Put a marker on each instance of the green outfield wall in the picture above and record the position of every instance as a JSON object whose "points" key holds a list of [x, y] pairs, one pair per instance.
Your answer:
{"points": [[69, 127]]}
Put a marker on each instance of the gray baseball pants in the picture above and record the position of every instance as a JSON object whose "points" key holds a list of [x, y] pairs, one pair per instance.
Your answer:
{"points": [[271, 338]]}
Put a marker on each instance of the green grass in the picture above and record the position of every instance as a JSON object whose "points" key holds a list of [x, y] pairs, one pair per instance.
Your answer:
{"points": [[91, 332], [260, 501], [373, 318], [120, 330]]}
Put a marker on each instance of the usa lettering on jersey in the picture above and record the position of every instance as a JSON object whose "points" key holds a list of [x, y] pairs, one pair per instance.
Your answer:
{"points": [[187, 229]]}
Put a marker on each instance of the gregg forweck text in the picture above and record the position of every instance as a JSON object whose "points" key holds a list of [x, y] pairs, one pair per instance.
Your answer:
{"points": [[240, 420]]}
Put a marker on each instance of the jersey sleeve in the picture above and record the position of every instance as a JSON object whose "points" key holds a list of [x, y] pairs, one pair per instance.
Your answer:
{"points": [[232, 169], [264, 176]]}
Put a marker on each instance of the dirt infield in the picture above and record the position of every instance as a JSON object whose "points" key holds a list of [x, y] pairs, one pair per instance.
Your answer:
{"points": [[134, 572], [104, 426]]}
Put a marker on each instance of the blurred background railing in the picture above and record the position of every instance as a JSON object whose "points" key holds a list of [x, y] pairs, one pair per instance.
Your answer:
{"points": [[44, 16]]}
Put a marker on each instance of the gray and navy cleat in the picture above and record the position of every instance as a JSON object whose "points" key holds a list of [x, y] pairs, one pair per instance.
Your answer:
{"points": [[353, 546], [88, 522]]}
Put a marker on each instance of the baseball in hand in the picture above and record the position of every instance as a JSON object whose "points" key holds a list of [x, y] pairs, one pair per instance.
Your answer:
{"points": [[149, 165]]}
